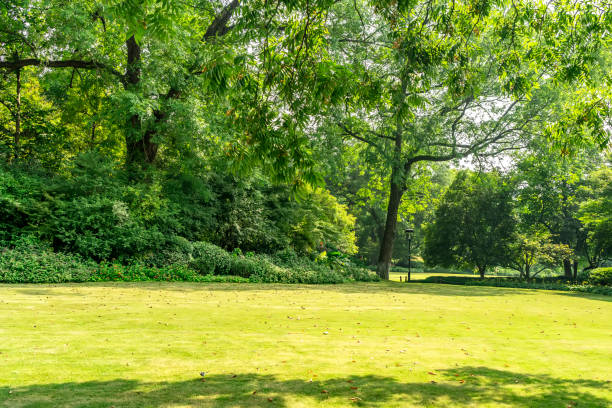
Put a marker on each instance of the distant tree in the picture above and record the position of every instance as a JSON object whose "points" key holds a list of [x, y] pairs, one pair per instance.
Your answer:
{"points": [[533, 253], [550, 191], [596, 215], [473, 224]]}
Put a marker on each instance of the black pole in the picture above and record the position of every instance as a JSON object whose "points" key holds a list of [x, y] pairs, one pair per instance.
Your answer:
{"points": [[409, 256]]}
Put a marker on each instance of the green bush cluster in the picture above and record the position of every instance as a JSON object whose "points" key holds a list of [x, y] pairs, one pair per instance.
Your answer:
{"points": [[601, 276], [544, 283], [32, 262]]}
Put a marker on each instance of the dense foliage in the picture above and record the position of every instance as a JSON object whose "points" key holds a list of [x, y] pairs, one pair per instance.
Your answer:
{"points": [[205, 138]]}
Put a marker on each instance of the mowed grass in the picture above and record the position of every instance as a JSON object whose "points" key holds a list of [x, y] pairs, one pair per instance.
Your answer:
{"points": [[380, 344], [419, 275]]}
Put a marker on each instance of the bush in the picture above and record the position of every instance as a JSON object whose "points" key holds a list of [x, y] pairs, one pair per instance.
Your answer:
{"points": [[542, 283], [209, 259], [601, 276], [176, 251], [30, 261], [36, 264]]}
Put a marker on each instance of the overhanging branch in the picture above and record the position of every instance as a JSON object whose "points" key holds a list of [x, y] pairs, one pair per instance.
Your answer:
{"points": [[13, 65]]}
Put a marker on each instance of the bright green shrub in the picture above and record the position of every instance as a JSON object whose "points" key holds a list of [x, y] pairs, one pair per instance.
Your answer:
{"points": [[256, 265], [175, 251], [540, 283], [137, 272], [209, 259], [601, 276], [40, 265]]}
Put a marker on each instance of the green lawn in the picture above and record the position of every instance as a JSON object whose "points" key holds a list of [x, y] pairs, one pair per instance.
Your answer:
{"points": [[380, 344], [395, 276]]}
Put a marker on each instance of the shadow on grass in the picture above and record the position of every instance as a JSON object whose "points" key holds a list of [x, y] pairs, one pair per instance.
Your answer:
{"points": [[433, 289], [472, 386]]}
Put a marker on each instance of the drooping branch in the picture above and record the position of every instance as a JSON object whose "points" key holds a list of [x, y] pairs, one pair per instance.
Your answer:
{"points": [[18, 64]]}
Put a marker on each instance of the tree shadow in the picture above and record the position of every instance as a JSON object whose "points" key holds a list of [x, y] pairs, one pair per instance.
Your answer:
{"points": [[433, 289], [471, 386], [43, 292], [586, 295]]}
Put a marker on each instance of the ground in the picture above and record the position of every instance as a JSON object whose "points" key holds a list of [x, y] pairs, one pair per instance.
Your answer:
{"points": [[380, 344]]}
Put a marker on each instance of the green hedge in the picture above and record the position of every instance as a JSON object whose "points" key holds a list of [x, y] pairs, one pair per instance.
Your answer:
{"points": [[601, 276], [31, 262], [544, 283]]}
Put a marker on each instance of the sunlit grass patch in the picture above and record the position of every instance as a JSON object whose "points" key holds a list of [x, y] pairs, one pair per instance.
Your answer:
{"points": [[380, 344]]}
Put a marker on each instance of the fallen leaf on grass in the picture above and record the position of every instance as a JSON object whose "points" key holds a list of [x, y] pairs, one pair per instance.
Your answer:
{"points": [[324, 391], [254, 392], [433, 382], [353, 388], [430, 373]]}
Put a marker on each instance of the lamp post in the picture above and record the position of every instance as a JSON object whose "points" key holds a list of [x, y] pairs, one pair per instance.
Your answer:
{"points": [[409, 232]]}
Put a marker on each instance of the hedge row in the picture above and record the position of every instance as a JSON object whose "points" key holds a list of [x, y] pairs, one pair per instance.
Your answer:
{"points": [[208, 263], [546, 284]]}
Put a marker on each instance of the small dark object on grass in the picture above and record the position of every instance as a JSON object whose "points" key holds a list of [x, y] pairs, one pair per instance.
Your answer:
{"points": [[202, 373]]}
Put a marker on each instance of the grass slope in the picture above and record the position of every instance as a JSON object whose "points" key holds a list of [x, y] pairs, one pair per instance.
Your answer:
{"points": [[380, 344]]}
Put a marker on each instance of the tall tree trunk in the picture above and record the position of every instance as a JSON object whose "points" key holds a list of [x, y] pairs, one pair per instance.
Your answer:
{"points": [[399, 171], [567, 269], [575, 267], [17, 136], [481, 271], [388, 238], [140, 147], [527, 271]]}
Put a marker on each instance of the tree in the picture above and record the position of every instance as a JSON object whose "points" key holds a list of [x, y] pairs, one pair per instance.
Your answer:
{"points": [[535, 249], [443, 81], [550, 190], [473, 224], [595, 213]]}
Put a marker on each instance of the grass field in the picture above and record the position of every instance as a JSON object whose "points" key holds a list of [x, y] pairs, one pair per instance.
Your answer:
{"points": [[381, 344], [415, 276]]}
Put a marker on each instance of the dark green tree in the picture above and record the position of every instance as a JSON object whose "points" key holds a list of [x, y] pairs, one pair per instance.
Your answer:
{"points": [[473, 225]]}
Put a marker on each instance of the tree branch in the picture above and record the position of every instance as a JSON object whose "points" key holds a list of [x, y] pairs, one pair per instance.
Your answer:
{"points": [[219, 26], [12, 65]]}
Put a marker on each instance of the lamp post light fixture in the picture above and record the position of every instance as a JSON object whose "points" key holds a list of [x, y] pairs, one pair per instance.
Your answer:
{"points": [[409, 232]]}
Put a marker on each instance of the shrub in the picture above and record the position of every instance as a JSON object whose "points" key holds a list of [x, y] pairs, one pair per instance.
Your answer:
{"points": [[287, 256], [36, 264], [209, 259], [543, 283], [255, 265], [176, 251], [601, 276], [138, 273]]}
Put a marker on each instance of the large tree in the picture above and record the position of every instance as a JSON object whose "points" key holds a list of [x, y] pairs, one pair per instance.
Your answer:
{"points": [[451, 80]]}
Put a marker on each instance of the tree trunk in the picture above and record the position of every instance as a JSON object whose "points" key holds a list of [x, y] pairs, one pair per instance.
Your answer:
{"points": [[17, 136], [398, 177], [481, 271], [388, 238], [567, 269], [527, 271], [575, 267], [140, 147]]}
